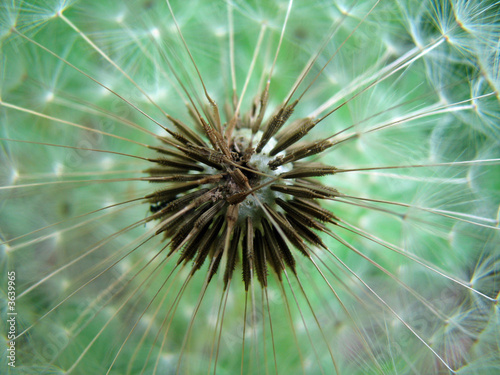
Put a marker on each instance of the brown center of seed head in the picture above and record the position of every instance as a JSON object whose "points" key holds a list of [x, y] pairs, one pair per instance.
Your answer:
{"points": [[222, 195]]}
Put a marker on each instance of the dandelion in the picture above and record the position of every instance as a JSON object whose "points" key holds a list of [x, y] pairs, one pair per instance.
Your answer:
{"points": [[240, 187]]}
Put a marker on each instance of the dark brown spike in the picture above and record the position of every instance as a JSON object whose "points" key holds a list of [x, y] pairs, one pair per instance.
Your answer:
{"points": [[288, 230], [197, 202], [291, 128], [299, 215], [210, 133], [208, 242], [197, 223], [300, 153], [172, 191], [313, 170], [247, 254], [187, 131], [188, 228], [206, 156], [216, 255], [222, 144], [284, 132], [316, 186], [180, 164], [313, 209], [172, 226], [232, 216], [310, 192], [216, 157], [305, 232], [194, 115], [273, 253], [232, 256], [285, 250], [208, 214], [212, 112], [215, 267], [293, 135], [312, 149], [176, 203], [210, 179], [256, 122], [208, 196], [260, 258], [240, 179], [165, 171], [180, 138], [162, 178], [251, 116], [172, 152], [237, 198], [275, 124], [192, 246]]}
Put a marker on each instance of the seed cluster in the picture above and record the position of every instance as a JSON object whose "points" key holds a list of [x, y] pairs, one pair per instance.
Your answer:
{"points": [[225, 199]]}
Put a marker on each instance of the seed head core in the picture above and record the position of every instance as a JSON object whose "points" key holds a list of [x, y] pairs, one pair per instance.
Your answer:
{"points": [[240, 192]]}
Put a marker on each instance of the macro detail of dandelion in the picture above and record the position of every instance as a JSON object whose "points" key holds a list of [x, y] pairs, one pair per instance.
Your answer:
{"points": [[286, 187]]}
